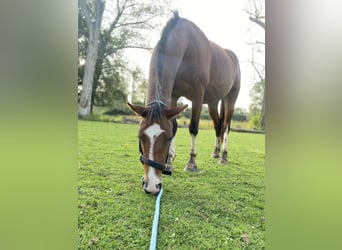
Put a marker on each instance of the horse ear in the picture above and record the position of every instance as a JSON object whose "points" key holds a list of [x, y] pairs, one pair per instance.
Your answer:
{"points": [[170, 113], [140, 110]]}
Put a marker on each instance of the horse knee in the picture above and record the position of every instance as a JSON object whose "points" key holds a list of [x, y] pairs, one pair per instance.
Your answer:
{"points": [[193, 129]]}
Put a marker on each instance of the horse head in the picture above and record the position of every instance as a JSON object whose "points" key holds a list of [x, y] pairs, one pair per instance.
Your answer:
{"points": [[156, 130]]}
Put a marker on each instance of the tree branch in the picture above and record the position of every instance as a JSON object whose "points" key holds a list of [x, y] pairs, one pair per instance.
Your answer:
{"points": [[259, 72], [254, 43], [145, 21], [257, 21], [120, 11], [254, 15], [133, 47]]}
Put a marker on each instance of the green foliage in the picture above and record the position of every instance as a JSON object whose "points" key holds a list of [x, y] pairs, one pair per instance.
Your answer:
{"points": [[239, 115], [255, 108], [219, 207], [119, 111], [187, 113], [255, 121], [257, 94], [205, 113], [139, 88]]}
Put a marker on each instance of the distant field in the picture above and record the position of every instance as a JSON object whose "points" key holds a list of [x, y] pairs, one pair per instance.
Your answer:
{"points": [[221, 207]]}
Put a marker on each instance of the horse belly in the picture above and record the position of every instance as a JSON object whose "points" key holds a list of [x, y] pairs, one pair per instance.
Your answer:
{"points": [[221, 81], [215, 92]]}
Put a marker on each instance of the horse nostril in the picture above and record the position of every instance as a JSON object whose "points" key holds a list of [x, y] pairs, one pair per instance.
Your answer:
{"points": [[147, 192], [158, 186]]}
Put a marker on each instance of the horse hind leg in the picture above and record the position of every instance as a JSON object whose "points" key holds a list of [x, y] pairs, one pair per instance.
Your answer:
{"points": [[227, 113], [224, 156], [213, 112], [229, 105]]}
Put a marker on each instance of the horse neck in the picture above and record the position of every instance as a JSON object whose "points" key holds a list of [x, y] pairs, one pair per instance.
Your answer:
{"points": [[165, 94]]}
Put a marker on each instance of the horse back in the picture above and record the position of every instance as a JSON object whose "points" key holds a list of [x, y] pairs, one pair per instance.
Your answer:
{"points": [[205, 66], [192, 66]]}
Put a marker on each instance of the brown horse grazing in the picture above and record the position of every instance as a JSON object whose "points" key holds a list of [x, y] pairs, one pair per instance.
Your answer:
{"points": [[184, 63]]}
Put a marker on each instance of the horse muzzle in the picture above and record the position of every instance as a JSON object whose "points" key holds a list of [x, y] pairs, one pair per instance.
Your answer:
{"points": [[151, 188]]}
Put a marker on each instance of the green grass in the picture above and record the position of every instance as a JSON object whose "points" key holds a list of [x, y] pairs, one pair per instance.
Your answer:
{"points": [[220, 207]]}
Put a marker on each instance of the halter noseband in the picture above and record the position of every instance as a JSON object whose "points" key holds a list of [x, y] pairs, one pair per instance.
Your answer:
{"points": [[154, 164]]}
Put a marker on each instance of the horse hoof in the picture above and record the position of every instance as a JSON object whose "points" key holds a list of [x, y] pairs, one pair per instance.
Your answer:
{"points": [[223, 161], [192, 168], [215, 155]]}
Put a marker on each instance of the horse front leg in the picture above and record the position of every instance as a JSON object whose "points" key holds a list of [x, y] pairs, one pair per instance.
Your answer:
{"points": [[172, 149], [172, 154], [228, 114], [193, 129], [191, 165]]}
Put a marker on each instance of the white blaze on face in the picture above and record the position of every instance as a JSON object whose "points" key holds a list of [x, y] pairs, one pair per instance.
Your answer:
{"points": [[152, 133]]}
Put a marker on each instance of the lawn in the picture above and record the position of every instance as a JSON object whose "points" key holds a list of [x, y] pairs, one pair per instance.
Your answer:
{"points": [[220, 207]]}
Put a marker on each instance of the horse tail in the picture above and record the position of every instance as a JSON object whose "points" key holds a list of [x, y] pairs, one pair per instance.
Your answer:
{"points": [[161, 47]]}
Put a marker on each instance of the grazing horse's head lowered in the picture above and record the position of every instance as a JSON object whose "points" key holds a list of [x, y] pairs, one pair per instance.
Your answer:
{"points": [[156, 131], [185, 63]]}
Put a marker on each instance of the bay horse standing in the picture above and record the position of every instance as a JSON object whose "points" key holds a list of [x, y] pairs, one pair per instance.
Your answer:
{"points": [[184, 63]]}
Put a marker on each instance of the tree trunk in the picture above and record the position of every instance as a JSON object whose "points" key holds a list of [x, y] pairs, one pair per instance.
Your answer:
{"points": [[94, 25], [88, 80], [97, 74]]}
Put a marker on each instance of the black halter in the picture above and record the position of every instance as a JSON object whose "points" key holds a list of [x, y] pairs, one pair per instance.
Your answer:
{"points": [[163, 168]]}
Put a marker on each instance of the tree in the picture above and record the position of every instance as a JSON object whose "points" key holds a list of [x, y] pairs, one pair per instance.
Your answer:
{"points": [[127, 24], [257, 97], [256, 15], [93, 17], [240, 115], [139, 86]]}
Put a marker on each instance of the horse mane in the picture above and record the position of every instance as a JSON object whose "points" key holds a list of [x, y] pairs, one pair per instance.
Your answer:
{"points": [[154, 111], [161, 47]]}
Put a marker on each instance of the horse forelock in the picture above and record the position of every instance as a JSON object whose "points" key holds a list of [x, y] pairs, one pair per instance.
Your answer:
{"points": [[155, 110]]}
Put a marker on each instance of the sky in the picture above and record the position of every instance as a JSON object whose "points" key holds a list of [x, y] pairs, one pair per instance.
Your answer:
{"points": [[227, 24]]}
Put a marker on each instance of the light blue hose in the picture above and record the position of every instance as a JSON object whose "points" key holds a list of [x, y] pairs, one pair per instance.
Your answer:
{"points": [[153, 242]]}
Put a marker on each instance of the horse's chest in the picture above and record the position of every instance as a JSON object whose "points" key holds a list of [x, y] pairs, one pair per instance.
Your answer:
{"points": [[184, 88]]}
